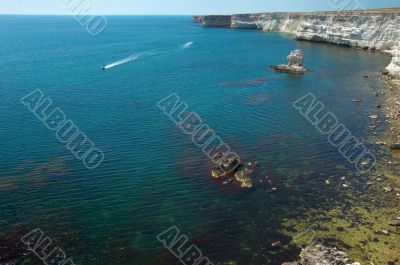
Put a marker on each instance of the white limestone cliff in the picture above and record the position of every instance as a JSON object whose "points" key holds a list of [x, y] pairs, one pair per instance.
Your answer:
{"points": [[296, 57], [394, 66]]}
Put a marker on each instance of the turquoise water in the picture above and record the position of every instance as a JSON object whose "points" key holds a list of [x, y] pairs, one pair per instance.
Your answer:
{"points": [[153, 176]]}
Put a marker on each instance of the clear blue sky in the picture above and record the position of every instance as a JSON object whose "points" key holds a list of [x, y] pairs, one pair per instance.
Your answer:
{"points": [[182, 7]]}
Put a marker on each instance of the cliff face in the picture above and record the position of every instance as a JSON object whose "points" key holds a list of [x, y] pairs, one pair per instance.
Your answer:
{"points": [[394, 67], [374, 29], [368, 31], [213, 21]]}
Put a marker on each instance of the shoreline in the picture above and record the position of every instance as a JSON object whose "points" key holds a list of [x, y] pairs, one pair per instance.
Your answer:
{"points": [[375, 30], [368, 237], [361, 228]]}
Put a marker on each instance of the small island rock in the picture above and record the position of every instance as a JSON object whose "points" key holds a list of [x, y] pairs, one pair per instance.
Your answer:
{"points": [[295, 64]]}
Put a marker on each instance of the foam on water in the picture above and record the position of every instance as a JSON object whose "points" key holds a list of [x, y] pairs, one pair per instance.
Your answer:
{"points": [[187, 45], [126, 60]]}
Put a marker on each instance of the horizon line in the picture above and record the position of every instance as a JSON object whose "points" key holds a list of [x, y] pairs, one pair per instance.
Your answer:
{"points": [[222, 14], [67, 15]]}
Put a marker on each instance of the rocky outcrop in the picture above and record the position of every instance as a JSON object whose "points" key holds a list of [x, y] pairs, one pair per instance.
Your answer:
{"points": [[371, 29], [229, 169], [321, 255], [295, 64], [243, 177]]}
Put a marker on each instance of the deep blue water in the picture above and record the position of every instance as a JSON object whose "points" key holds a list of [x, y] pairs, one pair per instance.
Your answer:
{"points": [[153, 176]]}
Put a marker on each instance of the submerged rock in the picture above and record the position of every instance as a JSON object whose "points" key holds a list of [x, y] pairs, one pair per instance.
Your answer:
{"points": [[395, 146], [321, 255], [274, 189], [277, 244], [327, 182], [243, 177], [295, 64], [12, 250]]}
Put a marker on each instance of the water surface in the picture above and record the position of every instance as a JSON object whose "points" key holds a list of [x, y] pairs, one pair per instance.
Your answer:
{"points": [[153, 176]]}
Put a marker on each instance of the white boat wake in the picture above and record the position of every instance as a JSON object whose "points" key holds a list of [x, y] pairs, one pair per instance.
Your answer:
{"points": [[130, 58], [187, 45]]}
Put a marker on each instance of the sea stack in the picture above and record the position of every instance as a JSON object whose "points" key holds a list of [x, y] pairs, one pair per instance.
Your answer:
{"points": [[295, 64]]}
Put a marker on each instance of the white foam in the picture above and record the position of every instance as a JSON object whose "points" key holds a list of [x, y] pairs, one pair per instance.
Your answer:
{"points": [[130, 58], [187, 45]]}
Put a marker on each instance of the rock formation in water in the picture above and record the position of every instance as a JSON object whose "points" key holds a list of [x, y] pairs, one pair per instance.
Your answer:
{"points": [[229, 169], [369, 29], [295, 64]]}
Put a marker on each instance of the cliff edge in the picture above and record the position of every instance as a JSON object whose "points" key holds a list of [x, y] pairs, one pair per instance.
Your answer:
{"points": [[369, 29]]}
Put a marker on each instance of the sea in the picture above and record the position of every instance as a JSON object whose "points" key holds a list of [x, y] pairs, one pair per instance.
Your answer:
{"points": [[154, 177]]}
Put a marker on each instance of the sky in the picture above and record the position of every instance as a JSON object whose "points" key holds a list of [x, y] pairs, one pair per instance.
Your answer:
{"points": [[184, 7]]}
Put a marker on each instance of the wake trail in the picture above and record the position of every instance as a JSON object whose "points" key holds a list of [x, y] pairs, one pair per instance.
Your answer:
{"points": [[126, 60], [135, 56]]}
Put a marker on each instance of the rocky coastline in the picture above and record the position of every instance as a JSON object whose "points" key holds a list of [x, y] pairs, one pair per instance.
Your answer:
{"points": [[375, 30], [319, 254], [378, 207]]}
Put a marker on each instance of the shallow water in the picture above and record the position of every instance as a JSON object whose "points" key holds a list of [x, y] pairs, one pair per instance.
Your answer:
{"points": [[153, 176]]}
